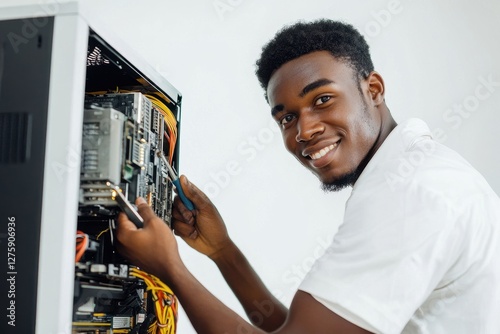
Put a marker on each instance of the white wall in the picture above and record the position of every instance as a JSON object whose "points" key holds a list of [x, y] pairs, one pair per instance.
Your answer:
{"points": [[432, 54]]}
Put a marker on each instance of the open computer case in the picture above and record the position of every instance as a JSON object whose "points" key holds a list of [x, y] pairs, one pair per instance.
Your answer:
{"points": [[78, 109]]}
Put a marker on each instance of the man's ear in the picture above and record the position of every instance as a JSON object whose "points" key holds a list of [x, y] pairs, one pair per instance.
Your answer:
{"points": [[376, 88]]}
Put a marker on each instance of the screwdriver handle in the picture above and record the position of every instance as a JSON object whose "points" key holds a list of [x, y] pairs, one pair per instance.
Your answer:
{"points": [[187, 203]]}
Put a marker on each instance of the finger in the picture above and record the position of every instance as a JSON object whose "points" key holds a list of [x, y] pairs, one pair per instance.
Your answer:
{"points": [[192, 192], [184, 230], [124, 223], [125, 228], [180, 212], [144, 209]]}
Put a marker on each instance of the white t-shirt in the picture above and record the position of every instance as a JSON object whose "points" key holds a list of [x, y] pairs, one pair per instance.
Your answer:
{"points": [[419, 248]]}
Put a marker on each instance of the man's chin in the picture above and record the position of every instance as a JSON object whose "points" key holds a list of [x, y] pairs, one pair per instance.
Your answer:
{"points": [[339, 183]]}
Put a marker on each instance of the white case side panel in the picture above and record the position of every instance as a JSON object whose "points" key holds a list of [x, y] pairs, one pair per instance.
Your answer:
{"points": [[61, 176]]}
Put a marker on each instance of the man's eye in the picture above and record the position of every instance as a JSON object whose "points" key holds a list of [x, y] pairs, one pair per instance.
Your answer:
{"points": [[322, 100], [286, 119]]}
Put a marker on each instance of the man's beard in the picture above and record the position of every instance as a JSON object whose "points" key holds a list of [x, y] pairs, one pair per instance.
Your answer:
{"points": [[350, 178], [342, 182]]}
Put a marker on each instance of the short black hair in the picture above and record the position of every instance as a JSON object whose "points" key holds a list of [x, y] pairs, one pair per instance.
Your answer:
{"points": [[342, 40]]}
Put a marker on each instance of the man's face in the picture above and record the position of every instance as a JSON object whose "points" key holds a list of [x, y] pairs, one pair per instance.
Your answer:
{"points": [[327, 118]]}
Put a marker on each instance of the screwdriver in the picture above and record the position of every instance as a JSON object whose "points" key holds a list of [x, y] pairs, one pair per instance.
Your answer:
{"points": [[125, 205], [175, 180]]}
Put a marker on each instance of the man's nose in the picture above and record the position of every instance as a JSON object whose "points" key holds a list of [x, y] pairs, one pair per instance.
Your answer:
{"points": [[308, 126]]}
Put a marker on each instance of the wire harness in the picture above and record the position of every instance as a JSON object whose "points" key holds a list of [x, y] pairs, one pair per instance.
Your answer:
{"points": [[165, 302]]}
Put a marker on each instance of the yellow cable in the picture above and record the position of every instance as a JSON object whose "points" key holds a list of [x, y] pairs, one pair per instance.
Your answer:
{"points": [[165, 307], [101, 233], [170, 121]]}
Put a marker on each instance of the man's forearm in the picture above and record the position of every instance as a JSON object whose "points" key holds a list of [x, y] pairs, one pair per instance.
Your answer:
{"points": [[261, 307], [206, 313]]}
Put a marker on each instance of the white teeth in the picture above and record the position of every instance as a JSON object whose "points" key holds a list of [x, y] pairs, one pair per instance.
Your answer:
{"points": [[322, 152]]}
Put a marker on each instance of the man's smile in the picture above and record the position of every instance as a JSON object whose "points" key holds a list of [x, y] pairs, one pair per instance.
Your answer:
{"points": [[321, 155]]}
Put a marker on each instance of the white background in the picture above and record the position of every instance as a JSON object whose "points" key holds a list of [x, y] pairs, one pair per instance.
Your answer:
{"points": [[433, 55]]}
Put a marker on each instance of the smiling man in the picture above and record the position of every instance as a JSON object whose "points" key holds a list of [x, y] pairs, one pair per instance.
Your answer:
{"points": [[416, 252], [331, 121]]}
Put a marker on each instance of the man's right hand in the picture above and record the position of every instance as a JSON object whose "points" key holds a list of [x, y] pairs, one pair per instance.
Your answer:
{"points": [[203, 228]]}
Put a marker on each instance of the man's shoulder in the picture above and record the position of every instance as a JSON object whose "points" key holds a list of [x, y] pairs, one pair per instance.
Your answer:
{"points": [[411, 158], [413, 171]]}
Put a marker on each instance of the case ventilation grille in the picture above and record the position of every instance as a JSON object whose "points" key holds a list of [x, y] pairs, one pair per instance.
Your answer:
{"points": [[15, 137]]}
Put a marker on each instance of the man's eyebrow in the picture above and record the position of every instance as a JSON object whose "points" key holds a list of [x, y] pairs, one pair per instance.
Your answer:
{"points": [[314, 85], [310, 87], [276, 109]]}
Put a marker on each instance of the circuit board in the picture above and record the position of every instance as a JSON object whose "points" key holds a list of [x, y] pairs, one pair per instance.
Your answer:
{"points": [[123, 134]]}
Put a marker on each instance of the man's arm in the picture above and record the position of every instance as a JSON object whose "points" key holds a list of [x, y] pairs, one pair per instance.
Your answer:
{"points": [[154, 249], [204, 230], [261, 307], [208, 315]]}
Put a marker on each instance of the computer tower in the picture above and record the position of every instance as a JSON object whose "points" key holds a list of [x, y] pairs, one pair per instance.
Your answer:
{"points": [[74, 102]]}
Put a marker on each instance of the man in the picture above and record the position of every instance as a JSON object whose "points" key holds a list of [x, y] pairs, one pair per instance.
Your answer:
{"points": [[416, 252]]}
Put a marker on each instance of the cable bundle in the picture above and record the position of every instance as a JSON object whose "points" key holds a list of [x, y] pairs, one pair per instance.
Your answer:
{"points": [[170, 121], [164, 300]]}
